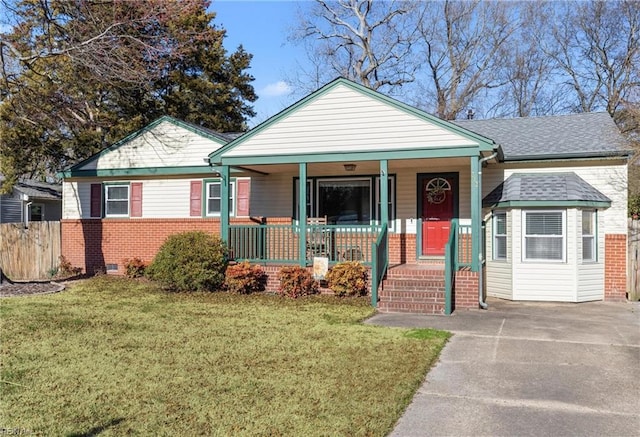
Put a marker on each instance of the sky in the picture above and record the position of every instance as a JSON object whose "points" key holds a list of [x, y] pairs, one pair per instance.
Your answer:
{"points": [[261, 27]]}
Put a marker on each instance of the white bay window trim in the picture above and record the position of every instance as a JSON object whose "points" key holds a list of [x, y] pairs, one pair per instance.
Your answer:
{"points": [[589, 221], [544, 236], [500, 235]]}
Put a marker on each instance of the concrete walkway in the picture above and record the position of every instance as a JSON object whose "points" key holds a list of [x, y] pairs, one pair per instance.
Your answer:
{"points": [[530, 369]]}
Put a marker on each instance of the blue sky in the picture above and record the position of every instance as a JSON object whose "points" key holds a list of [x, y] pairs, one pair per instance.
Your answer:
{"points": [[261, 27]]}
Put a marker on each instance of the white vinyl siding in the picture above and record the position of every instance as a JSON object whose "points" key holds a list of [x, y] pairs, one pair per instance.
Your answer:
{"points": [[344, 120], [165, 145], [607, 176]]}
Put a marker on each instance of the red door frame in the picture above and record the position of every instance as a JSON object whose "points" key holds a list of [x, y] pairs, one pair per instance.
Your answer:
{"points": [[453, 177]]}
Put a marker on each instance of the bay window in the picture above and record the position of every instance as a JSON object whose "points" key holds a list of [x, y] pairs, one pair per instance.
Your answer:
{"points": [[588, 235], [500, 235], [544, 236]]}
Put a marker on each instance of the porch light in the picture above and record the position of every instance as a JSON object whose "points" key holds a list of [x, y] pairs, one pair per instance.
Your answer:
{"points": [[350, 167]]}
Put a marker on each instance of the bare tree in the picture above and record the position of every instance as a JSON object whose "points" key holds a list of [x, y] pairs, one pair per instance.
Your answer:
{"points": [[597, 46], [362, 40], [463, 45]]}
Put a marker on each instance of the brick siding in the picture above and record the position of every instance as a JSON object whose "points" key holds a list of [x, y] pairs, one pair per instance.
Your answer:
{"points": [[615, 267]]}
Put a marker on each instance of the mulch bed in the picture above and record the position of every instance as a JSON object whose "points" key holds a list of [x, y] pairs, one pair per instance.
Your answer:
{"points": [[13, 289]]}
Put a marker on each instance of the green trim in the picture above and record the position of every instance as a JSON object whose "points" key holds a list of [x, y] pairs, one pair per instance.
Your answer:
{"points": [[224, 205], [383, 193], [476, 214], [302, 213], [454, 152], [484, 144], [146, 171], [220, 140], [549, 203]]}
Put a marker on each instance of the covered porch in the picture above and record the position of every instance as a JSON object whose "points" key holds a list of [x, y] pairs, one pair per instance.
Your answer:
{"points": [[388, 186]]}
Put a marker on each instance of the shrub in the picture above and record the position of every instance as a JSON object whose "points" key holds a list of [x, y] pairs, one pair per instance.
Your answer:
{"points": [[348, 279], [244, 278], [296, 281], [65, 268], [190, 261], [134, 267]]}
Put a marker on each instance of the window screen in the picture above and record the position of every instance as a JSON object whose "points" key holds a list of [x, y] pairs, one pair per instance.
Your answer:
{"points": [[544, 235]]}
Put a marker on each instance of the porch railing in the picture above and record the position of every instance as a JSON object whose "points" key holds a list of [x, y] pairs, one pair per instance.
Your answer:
{"points": [[380, 263], [457, 254], [281, 243]]}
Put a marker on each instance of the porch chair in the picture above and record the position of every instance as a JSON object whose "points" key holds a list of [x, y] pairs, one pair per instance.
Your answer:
{"points": [[318, 240]]}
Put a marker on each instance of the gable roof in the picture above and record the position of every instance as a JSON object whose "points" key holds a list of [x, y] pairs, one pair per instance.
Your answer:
{"points": [[345, 120], [152, 151], [587, 135], [545, 189]]}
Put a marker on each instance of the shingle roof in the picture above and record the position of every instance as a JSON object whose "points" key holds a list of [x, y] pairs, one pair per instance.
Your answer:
{"points": [[544, 187], [39, 190], [592, 134]]}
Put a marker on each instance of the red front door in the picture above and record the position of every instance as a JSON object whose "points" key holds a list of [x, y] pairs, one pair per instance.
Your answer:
{"points": [[437, 211]]}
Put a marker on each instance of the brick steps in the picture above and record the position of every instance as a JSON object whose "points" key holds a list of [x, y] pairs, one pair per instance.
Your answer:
{"points": [[413, 289]]}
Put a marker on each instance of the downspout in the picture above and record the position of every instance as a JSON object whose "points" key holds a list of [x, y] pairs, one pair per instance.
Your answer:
{"points": [[481, 260]]}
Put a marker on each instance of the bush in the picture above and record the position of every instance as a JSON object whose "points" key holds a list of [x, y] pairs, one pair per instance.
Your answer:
{"points": [[190, 261], [65, 269], [134, 267], [244, 278], [348, 279], [296, 281]]}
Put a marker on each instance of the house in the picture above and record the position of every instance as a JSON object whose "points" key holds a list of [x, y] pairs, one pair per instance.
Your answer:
{"points": [[444, 213], [31, 200]]}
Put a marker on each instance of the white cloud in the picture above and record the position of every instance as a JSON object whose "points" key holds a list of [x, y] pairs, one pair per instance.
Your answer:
{"points": [[276, 89]]}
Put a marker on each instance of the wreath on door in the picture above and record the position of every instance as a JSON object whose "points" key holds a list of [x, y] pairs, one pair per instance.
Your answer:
{"points": [[436, 190]]}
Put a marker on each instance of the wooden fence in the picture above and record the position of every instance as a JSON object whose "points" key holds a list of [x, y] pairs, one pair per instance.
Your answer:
{"points": [[29, 253], [633, 270]]}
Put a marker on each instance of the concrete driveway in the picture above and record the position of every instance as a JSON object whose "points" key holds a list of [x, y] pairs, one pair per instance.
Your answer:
{"points": [[530, 369]]}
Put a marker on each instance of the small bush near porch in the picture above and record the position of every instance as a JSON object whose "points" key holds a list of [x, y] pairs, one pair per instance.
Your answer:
{"points": [[113, 356]]}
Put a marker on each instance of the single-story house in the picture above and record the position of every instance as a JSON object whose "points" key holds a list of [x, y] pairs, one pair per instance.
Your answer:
{"points": [[31, 200], [444, 213]]}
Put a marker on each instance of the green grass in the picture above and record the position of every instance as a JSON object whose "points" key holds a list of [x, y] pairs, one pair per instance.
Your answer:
{"points": [[111, 356]]}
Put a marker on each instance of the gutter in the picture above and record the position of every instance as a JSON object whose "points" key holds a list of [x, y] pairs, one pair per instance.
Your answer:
{"points": [[481, 259]]}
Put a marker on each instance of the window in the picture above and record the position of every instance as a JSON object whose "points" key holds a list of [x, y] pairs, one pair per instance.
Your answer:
{"points": [[345, 201], [213, 193], [391, 198], [500, 235], [36, 212], [544, 236], [116, 200], [296, 196], [588, 235]]}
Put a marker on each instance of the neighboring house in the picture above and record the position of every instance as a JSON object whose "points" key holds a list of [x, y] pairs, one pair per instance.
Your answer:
{"points": [[31, 200], [404, 192]]}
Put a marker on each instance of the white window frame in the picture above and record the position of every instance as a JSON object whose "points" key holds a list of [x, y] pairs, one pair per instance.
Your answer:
{"points": [[496, 236], [592, 236], [232, 198], [107, 188], [563, 213]]}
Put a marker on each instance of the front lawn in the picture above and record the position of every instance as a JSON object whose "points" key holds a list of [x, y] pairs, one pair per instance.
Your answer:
{"points": [[112, 356]]}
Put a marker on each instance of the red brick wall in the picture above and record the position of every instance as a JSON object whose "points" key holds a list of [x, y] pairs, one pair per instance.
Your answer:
{"points": [[92, 244], [615, 267], [402, 248], [465, 290]]}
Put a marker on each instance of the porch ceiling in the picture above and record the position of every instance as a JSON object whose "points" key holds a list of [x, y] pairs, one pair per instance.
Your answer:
{"points": [[362, 167]]}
